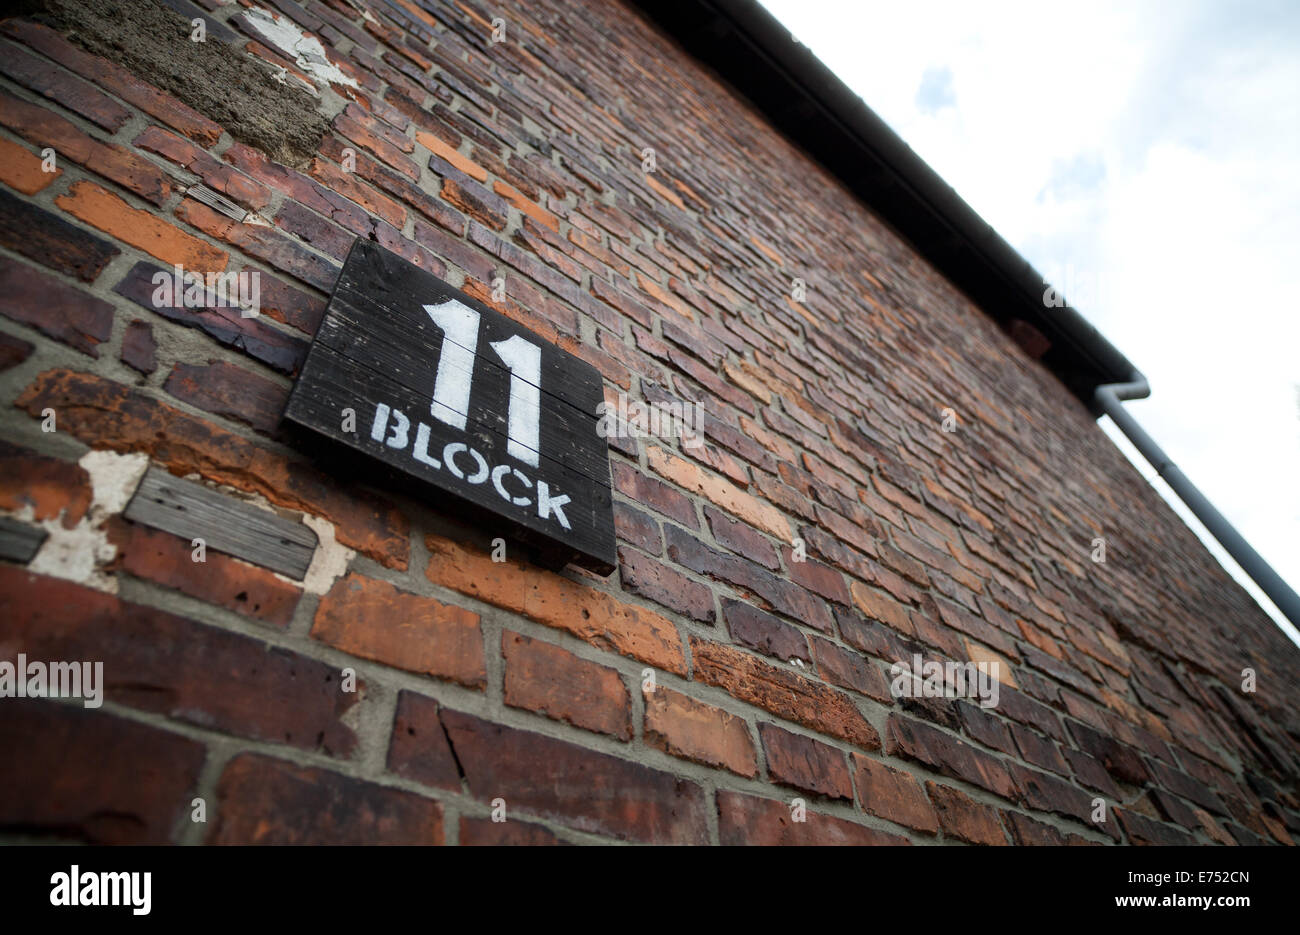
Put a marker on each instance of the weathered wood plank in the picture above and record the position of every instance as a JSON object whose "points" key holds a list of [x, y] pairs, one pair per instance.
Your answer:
{"points": [[192, 511], [20, 542]]}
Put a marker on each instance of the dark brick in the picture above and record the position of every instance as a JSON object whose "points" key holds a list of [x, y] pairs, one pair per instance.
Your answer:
{"points": [[139, 350], [419, 749], [229, 391], [1142, 830], [579, 788], [652, 579], [92, 776], [949, 755], [51, 241], [194, 673], [763, 632], [554, 682], [69, 315], [745, 819], [962, 817], [804, 763], [483, 832], [261, 800]]}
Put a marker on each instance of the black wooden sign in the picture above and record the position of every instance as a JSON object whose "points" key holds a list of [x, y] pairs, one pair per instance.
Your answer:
{"points": [[487, 417]]}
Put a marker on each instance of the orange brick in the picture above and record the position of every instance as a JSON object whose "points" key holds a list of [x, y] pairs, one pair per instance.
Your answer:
{"points": [[21, 169], [374, 620], [553, 600], [154, 236], [530, 208], [439, 148], [690, 476], [880, 606], [552, 681], [683, 727]]}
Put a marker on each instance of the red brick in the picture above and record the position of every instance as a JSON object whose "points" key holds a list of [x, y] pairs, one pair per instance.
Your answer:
{"points": [[291, 306], [640, 529], [62, 312], [113, 162], [742, 539], [804, 763], [215, 174], [106, 415], [745, 819], [1044, 792], [118, 80], [763, 632], [264, 243], [374, 620], [49, 486], [962, 817], [261, 800], [949, 755], [1030, 831], [554, 682], [476, 201], [141, 229], [575, 787], [782, 692], [13, 351], [893, 794], [654, 494], [220, 580], [692, 730], [726, 495], [229, 391], [1143, 830], [551, 599], [483, 832], [139, 350], [50, 81], [159, 662], [818, 578], [652, 579], [91, 776], [419, 748], [848, 669]]}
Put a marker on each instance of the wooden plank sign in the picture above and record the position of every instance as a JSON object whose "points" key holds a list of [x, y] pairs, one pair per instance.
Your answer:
{"points": [[482, 415]]}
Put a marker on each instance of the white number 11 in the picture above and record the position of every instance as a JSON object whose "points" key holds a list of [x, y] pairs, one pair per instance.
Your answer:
{"points": [[451, 384]]}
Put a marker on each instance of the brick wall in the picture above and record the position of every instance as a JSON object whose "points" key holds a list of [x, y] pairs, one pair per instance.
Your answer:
{"points": [[480, 680]]}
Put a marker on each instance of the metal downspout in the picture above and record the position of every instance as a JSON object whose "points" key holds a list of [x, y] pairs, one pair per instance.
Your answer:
{"points": [[1109, 398]]}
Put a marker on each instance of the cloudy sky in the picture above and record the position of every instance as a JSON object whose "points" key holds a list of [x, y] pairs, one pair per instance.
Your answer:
{"points": [[1146, 159]]}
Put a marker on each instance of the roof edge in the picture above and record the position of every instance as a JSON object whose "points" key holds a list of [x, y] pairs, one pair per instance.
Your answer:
{"points": [[804, 100]]}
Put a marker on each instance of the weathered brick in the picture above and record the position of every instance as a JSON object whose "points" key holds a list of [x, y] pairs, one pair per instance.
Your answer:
{"points": [[949, 755], [483, 832], [233, 392], [553, 600], [418, 748], [848, 669], [742, 539], [782, 692], [575, 787], [60, 311], [50, 81], [103, 209], [640, 529], [51, 241], [724, 494], [92, 776], [787, 598], [893, 794], [160, 662], [1030, 831], [372, 619], [215, 174], [115, 163], [219, 580], [107, 415], [120, 81], [746, 819], [804, 763], [763, 632], [654, 494], [683, 727], [962, 817], [49, 486], [1046, 793], [1142, 830], [652, 579], [139, 350], [262, 242], [261, 800], [13, 351], [554, 682]]}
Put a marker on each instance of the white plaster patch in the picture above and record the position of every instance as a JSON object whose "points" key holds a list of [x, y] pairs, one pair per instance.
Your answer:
{"points": [[306, 51], [79, 554], [329, 561]]}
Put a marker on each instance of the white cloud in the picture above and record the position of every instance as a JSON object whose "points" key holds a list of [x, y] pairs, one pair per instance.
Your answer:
{"points": [[1149, 151]]}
